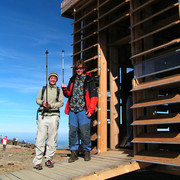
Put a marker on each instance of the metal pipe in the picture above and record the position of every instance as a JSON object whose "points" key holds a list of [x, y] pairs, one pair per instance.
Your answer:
{"points": [[62, 66], [46, 76]]}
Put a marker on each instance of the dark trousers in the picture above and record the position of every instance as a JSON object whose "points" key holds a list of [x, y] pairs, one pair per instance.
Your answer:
{"points": [[79, 131], [4, 147]]}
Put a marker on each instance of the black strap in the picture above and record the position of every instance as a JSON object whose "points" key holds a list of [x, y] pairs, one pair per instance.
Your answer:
{"points": [[43, 89], [58, 91], [48, 110], [45, 110]]}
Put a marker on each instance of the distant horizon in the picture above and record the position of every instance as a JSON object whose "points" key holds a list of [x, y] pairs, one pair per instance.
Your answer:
{"points": [[29, 137]]}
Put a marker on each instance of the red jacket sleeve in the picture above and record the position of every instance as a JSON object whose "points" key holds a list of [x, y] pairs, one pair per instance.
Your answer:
{"points": [[67, 92], [92, 105]]}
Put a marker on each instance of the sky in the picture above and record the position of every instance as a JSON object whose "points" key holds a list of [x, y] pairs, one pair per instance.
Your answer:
{"points": [[27, 29]]}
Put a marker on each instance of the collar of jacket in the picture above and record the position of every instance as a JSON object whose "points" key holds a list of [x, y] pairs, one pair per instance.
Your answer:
{"points": [[52, 86], [88, 77]]}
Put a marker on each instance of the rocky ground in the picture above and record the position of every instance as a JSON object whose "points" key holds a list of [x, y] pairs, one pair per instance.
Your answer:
{"points": [[17, 158]]}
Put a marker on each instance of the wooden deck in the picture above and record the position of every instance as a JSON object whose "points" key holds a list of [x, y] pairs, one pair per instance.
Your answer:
{"points": [[101, 166]]}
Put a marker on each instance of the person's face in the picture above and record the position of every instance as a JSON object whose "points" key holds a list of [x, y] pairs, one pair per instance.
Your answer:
{"points": [[79, 70], [52, 80]]}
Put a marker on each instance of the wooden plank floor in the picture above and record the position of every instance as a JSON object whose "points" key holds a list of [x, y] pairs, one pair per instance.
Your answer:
{"points": [[101, 166]]}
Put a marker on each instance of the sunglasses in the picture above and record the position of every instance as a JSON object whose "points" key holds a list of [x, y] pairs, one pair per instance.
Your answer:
{"points": [[79, 68]]}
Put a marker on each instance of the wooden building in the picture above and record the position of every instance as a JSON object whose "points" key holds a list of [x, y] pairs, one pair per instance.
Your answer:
{"points": [[114, 37]]}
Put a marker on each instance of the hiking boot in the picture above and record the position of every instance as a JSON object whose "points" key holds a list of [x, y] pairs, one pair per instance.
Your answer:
{"points": [[49, 164], [129, 145], [38, 167], [87, 156], [73, 157]]}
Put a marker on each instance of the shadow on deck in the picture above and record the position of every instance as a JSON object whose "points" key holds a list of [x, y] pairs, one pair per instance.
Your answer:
{"points": [[101, 166]]}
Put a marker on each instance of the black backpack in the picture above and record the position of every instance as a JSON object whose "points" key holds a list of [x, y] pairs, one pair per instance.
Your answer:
{"points": [[43, 89]]}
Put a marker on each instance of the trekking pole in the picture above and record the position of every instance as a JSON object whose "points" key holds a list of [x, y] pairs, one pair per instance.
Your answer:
{"points": [[62, 66], [46, 76]]}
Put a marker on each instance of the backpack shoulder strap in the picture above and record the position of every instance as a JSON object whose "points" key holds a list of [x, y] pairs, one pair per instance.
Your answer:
{"points": [[58, 91], [43, 89]]}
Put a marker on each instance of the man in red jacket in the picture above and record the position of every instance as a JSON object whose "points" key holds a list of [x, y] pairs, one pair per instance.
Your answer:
{"points": [[82, 100], [4, 142]]}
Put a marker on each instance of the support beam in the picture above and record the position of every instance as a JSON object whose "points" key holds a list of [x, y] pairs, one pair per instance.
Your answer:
{"points": [[114, 100], [102, 101]]}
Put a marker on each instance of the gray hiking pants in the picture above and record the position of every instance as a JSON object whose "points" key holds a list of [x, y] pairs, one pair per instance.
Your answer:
{"points": [[47, 130]]}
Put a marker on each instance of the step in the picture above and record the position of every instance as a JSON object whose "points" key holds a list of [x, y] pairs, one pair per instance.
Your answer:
{"points": [[159, 157], [158, 119], [159, 101], [158, 138], [164, 82]]}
